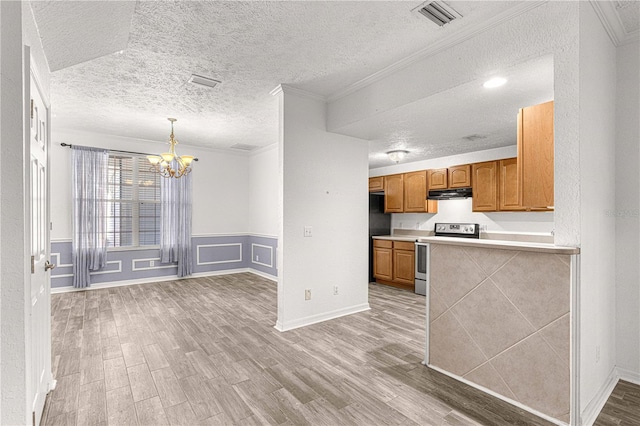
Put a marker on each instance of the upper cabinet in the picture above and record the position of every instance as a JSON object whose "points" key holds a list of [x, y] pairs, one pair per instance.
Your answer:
{"points": [[460, 176], [438, 179], [394, 193], [509, 194], [376, 184], [415, 191], [485, 186], [535, 155]]}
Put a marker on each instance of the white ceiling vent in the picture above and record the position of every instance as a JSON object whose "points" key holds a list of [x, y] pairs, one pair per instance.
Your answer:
{"points": [[203, 81], [437, 11]]}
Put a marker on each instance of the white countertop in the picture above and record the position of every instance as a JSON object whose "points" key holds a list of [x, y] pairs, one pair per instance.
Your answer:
{"points": [[501, 244]]}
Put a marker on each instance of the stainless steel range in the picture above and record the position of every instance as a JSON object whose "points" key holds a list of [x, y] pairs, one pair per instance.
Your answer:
{"points": [[457, 230]]}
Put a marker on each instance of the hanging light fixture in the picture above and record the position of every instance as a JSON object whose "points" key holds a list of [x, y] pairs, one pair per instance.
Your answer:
{"points": [[397, 154], [162, 163]]}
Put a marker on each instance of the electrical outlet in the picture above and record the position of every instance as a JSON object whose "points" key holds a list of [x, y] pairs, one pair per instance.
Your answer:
{"points": [[307, 231], [257, 258], [307, 294], [152, 263], [335, 290]]}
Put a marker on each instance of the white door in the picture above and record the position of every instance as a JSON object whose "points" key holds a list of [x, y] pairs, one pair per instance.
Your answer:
{"points": [[40, 313]]}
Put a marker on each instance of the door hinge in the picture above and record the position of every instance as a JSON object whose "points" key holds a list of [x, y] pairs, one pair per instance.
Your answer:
{"points": [[33, 264], [31, 108], [33, 418]]}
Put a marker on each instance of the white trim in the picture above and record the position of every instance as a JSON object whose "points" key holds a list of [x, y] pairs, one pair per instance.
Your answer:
{"points": [[60, 240], [463, 34], [611, 23], [264, 275], [57, 255], [628, 375], [593, 408], [290, 90], [151, 280], [238, 234], [574, 341], [325, 316], [270, 265], [198, 263], [149, 268], [263, 149], [119, 262], [274, 237], [499, 396], [427, 298]]}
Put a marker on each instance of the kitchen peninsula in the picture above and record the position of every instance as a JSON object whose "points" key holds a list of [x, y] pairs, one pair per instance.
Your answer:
{"points": [[499, 316]]}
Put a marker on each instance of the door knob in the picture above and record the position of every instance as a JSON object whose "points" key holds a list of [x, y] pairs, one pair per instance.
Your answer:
{"points": [[48, 265]]}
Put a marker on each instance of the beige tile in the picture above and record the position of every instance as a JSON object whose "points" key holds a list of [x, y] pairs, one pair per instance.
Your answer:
{"points": [[91, 369], [132, 353], [491, 320], [536, 376], [451, 348], [150, 412], [203, 365], [115, 373], [154, 356], [487, 376], [436, 305], [181, 414], [201, 397], [179, 363], [120, 407], [452, 274], [92, 404], [168, 387], [490, 260], [64, 419], [537, 284], [111, 348], [142, 386], [558, 336]]}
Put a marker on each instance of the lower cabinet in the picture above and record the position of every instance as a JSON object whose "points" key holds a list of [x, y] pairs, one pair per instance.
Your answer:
{"points": [[394, 263]]}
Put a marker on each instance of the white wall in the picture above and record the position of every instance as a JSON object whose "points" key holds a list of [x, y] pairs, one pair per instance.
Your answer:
{"points": [[597, 197], [627, 210], [263, 191], [460, 210], [220, 184], [324, 185]]}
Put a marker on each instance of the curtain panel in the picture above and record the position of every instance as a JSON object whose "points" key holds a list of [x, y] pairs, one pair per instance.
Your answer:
{"points": [[175, 222], [89, 199]]}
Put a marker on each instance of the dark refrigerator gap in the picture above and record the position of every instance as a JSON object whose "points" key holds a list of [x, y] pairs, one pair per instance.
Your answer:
{"points": [[379, 224]]}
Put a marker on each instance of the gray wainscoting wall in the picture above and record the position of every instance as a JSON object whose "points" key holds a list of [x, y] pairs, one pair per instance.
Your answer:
{"points": [[210, 254]]}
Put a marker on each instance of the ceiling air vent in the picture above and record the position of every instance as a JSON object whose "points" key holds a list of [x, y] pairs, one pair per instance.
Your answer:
{"points": [[437, 12], [203, 81]]}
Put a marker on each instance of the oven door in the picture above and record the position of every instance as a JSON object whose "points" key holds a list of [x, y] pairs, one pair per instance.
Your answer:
{"points": [[421, 269]]}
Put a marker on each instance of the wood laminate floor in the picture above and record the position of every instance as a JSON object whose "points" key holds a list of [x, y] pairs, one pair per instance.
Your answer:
{"points": [[622, 407], [204, 351]]}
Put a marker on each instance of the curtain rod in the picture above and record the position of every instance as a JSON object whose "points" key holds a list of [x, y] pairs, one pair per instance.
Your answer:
{"points": [[117, 150]]}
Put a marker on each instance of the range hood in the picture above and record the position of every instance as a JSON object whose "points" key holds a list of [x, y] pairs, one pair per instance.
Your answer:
{"points": [[449, 194]]}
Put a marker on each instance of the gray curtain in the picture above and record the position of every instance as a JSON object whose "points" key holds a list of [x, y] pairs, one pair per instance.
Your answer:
{"points": [[175, 222], [89, 199]]}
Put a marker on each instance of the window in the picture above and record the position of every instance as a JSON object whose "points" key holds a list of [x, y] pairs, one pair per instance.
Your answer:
{"points": [[133, 213]]}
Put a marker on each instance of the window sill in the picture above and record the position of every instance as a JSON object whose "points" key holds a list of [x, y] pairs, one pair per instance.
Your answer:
{"points": [[132, 248]]}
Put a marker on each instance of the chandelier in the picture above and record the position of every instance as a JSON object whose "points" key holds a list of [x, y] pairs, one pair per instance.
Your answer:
{"points": [[164, 163]]}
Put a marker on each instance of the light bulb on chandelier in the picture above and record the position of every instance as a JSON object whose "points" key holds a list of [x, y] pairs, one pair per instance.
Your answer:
{"points": [[162, 163]]}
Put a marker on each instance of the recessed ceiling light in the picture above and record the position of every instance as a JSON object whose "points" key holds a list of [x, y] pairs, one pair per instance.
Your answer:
{"points": [[494, 82]]}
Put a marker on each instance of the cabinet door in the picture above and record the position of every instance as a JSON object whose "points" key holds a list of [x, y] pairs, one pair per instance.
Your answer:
{"points": [[383, 263], [432, 206], [485, 186], [509, 186], [437, 179], [404, 266], [415, 192], [393, 194], [376, 184], [535, 155], [460, 176]]}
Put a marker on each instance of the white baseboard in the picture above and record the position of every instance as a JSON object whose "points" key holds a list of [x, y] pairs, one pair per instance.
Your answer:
{"points": [[325, 316], [593, 408], [98, 286], [628, 375]]}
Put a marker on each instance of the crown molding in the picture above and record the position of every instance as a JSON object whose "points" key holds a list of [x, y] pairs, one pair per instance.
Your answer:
{"points": [[464, 34], [610, 20], [285, 88]]}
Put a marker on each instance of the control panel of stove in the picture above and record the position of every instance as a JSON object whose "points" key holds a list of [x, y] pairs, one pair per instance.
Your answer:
{"points": [[465, 230]]}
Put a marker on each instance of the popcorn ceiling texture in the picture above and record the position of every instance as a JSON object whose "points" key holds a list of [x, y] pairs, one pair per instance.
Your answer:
{"points": [[321, 47]]}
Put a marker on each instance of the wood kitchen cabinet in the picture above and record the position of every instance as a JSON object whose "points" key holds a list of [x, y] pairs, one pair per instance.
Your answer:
{"points": [[394, 193], [485, 186], [383, 259], [509, 185], [437, 179], [460, 176], [376, 184], [535, 155], [394, 263], [415, 194]]}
